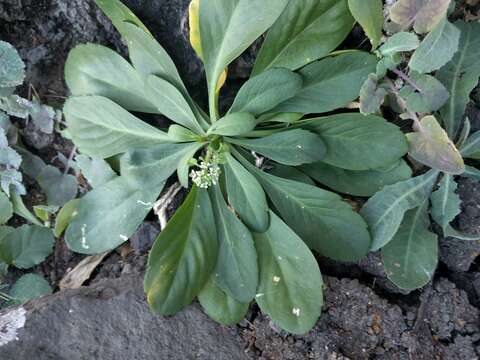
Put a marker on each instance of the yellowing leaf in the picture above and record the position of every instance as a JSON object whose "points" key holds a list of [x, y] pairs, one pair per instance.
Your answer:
{"points": [[196, 40], [431, 146], [193, 21], [422, 14]]}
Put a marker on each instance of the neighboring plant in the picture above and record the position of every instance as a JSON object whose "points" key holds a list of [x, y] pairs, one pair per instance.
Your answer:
{"points": [[398, 215], [28, 245], [246, 226]]}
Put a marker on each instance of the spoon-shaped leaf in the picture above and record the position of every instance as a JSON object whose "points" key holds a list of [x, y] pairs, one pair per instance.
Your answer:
{"points": [[183, 256], [431, 146], [411, 257]]}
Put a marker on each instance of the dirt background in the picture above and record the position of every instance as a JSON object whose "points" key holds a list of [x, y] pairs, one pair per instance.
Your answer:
{"points": [[365, 316]]}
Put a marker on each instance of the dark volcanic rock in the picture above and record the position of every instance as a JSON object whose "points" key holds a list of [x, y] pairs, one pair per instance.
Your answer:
{"points": [[111, 320], [358, 324], [458, 255]]}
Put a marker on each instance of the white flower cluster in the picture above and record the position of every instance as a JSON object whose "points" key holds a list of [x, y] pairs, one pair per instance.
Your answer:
{"points": [[207, 175]]}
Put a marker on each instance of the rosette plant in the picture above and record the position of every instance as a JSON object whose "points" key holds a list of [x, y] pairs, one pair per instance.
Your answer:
{"points": [[252, 214]]}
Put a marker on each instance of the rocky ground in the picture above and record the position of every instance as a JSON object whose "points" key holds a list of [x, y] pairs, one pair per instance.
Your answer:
{"points": [[365, 317]]}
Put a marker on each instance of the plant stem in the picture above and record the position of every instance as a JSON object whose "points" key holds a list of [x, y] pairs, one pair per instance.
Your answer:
{"points": [[416, 121], [69, 160], [405, 77]]}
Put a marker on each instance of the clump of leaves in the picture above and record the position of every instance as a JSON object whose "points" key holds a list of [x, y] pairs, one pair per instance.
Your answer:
{"points": [[252, 215], [28, 245], [429, 82]]}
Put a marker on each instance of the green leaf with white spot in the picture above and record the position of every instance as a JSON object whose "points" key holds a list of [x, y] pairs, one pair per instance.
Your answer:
{"points": [[385, 210], [411, 257], [290, 288]]}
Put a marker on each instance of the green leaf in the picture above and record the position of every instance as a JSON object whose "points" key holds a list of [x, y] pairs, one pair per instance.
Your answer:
{"points": [[423, 14], [171, 103], [431, 146], [96, 170], [107, 216], [306, 31], [331, 83], [151, 167], [385, 210], [371, 95], [445, 202], [12, 68], [220, 307], [95, 70], [101, 128], [411, 257], [26, 246], [119, 14], [460, 76], [183, 256], [317, 216], [291, 173], [266, 90], [357, 183], [354, 141], [471, 148], [64, 216], [291, 147], [450, 231], [234, 124], [280, 117], [246, 195], [227, 28], [290, 289], [400, 42], [236, 271], [436, 49], [180, 134], [184, 164], [44, 212], [369, 15], [6, 209], [60, 188], [428, 96], [28, 287]]}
